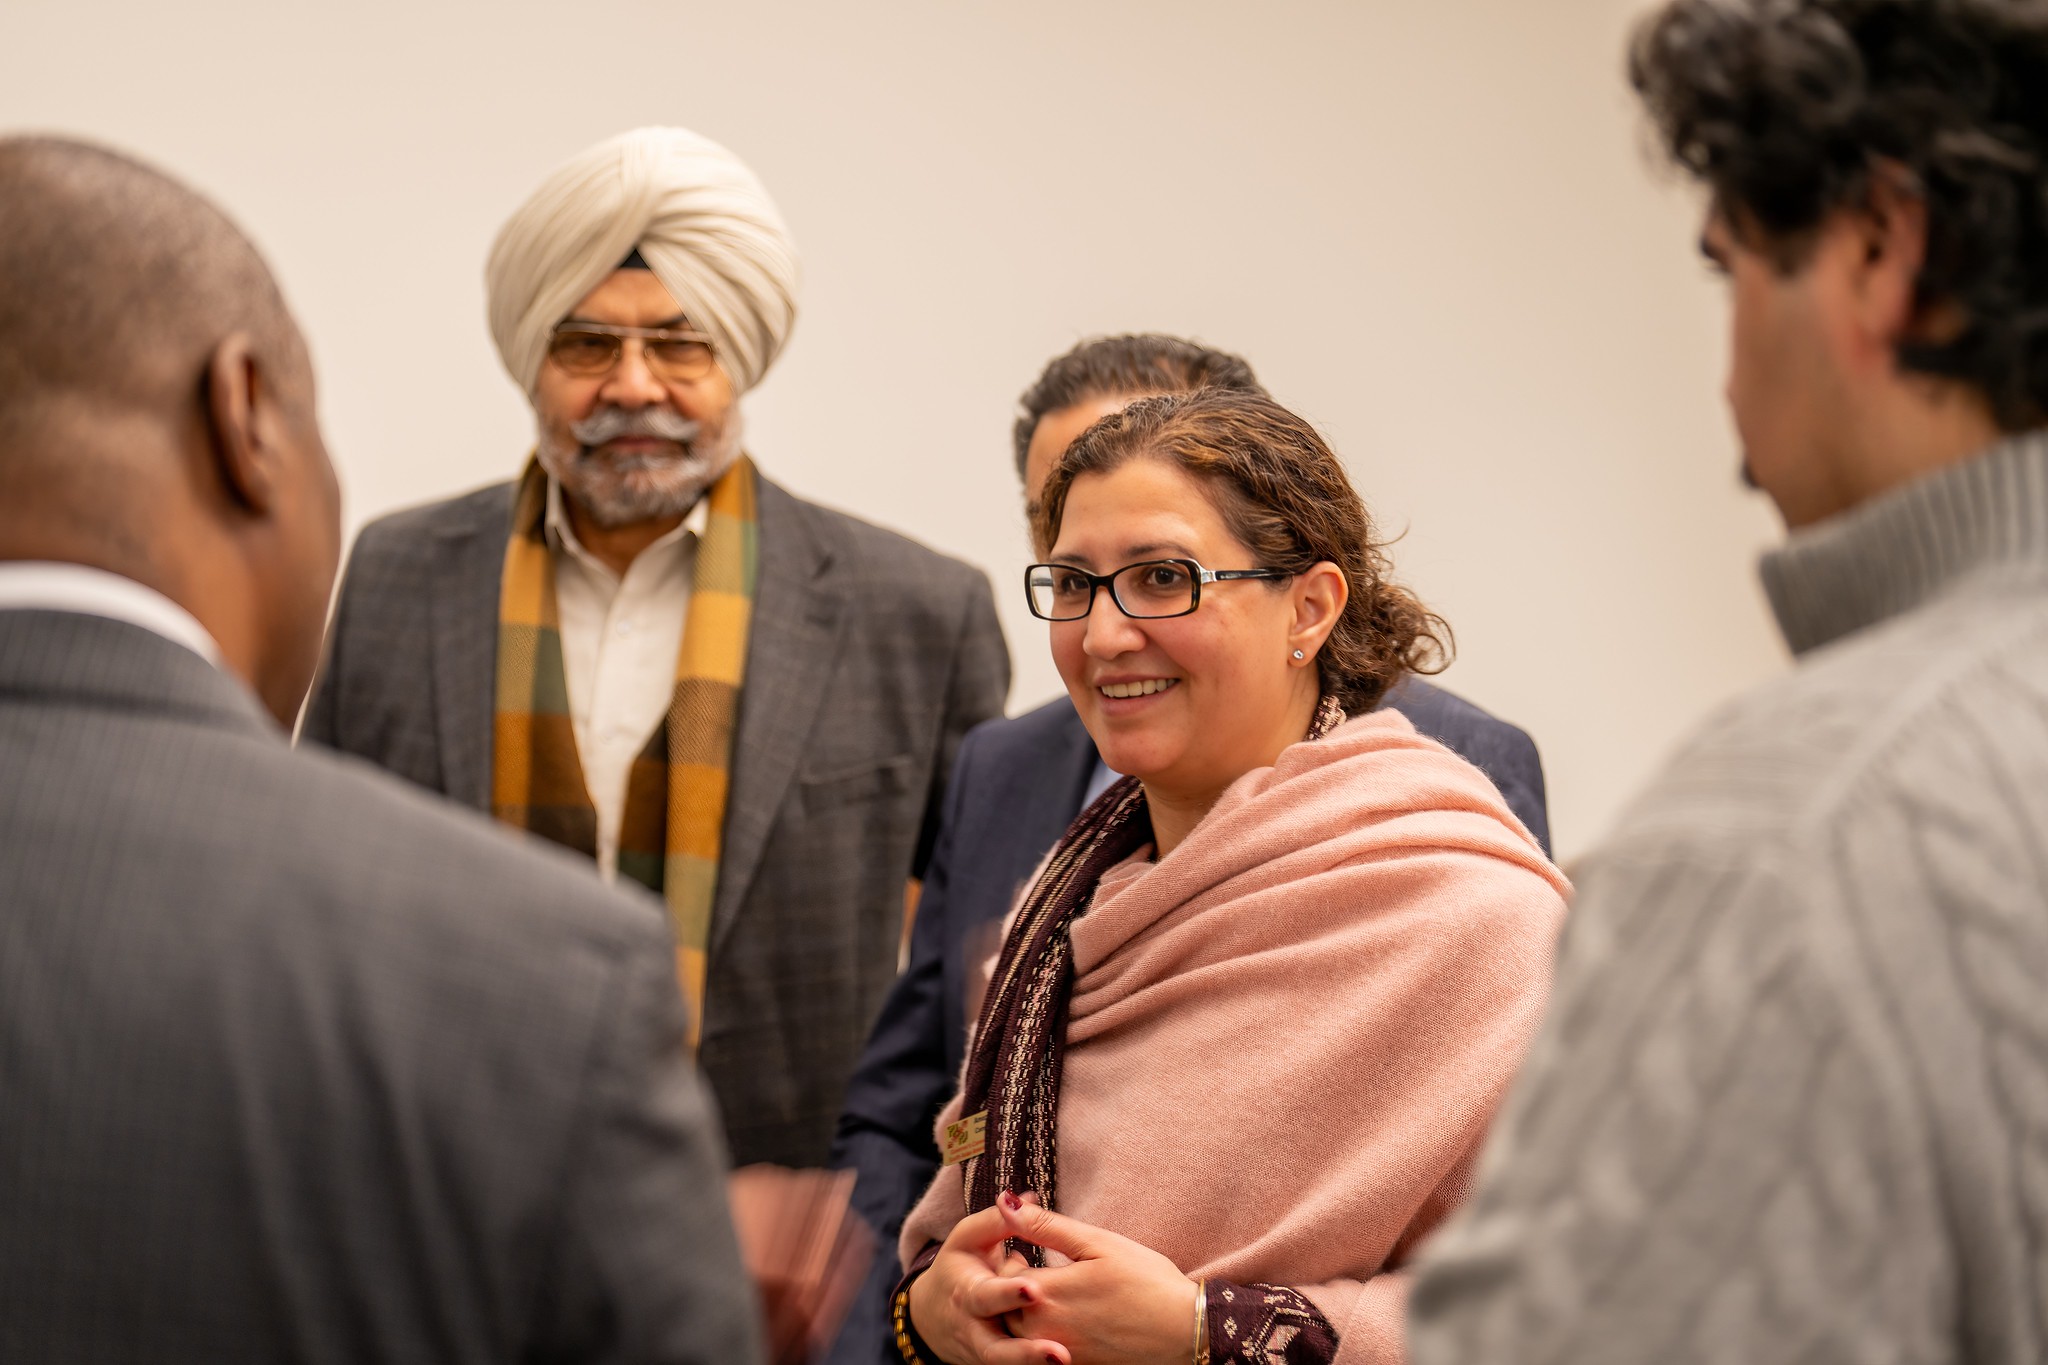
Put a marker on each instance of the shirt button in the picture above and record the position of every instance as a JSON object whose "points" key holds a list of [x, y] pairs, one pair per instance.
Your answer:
{"points": [[625, 627]]}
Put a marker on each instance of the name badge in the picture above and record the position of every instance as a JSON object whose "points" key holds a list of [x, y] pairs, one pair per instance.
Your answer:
{"points": [[964, 1139]]}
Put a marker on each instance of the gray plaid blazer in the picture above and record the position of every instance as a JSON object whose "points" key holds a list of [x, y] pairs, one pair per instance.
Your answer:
{"points": [[870, 657], [297, 1064]]}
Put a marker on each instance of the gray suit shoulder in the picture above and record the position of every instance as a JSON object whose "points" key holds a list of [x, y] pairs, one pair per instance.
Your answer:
{"points": [[401, 854], [872, 552], [462, 989], [872, 549], [881, 556], [403, 534]]}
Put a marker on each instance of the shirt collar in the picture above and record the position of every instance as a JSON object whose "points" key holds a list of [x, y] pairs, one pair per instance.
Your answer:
{"points": [[41, 585], [1887, 556], [561, 532]]}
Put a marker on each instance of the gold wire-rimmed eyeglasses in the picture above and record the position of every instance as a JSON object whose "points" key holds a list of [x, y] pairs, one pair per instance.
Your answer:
{"points": [[586, 349]]}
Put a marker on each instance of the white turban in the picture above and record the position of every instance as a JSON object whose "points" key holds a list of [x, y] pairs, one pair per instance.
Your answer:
{"points": [[699, 218]]}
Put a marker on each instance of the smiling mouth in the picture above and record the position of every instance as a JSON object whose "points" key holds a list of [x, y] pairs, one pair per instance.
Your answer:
{"points": [[1146, 688]]}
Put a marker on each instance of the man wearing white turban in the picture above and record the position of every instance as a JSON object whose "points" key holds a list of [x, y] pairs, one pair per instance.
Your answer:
{"points": [[644, 650]]}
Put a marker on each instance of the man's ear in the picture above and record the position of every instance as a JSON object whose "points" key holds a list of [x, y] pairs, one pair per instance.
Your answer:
{"points": [[1320, 594], [241, 410], [1891, 233]]}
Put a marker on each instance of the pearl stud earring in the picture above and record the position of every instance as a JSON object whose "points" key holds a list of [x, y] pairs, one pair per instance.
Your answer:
{"points": [[1299, 655]]}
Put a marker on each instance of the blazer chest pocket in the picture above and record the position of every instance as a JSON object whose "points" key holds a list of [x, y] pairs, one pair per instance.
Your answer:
{"points": [[830, 790]]}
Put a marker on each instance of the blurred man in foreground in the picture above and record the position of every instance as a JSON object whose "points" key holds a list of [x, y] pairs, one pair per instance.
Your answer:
{"points": [[645, 650], [295, 1063], [1789, 1105]]}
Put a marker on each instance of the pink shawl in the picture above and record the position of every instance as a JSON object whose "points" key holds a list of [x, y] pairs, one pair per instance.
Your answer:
{"points": [[1287, 1036]]}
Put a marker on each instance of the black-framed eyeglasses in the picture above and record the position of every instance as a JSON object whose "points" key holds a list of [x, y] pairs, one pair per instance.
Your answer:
{"points": [[1149, 590], [593, 348]]}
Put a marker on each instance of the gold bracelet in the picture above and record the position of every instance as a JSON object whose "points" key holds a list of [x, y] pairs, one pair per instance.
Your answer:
{"points": [[1201, 1322]]}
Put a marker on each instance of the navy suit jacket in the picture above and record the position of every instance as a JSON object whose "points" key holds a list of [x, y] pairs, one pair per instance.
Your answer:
{"points": [[1016, 785]]}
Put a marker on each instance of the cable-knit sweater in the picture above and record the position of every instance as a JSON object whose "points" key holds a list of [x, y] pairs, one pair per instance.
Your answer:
{"points": [[1791, 1100]]}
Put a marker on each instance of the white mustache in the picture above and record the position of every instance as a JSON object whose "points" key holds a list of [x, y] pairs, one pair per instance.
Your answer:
{"points": [[611, 423]]}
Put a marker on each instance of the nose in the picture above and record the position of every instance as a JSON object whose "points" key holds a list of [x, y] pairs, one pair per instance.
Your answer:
{"points": [[1109, 632], [631, 384]]}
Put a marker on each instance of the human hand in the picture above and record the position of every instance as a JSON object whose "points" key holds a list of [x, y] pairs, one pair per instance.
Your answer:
{"points": [[958, 1304], [806, 1250], [1118, 1303]]}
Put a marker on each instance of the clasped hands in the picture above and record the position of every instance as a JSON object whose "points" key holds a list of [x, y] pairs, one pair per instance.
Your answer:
{"points": [[1116, 1303]]}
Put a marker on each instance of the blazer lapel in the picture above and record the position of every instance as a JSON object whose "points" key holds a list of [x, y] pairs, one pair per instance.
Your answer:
{"points": [[1047, 796], [791, 647], [465, 653]]}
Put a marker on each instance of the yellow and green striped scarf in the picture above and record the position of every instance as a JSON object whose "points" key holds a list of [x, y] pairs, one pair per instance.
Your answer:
{"points": [[675, 796]]}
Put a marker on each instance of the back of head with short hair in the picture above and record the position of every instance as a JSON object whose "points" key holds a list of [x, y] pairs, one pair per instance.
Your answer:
{"points": [[1787, 108], [1131, 365], [116, 283]]}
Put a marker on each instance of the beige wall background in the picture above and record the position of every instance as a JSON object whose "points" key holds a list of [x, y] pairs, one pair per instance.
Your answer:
{"points": [[1432, 227]]}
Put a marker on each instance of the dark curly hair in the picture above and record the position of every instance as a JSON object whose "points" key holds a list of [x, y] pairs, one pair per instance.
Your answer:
{"points": [[1114, 367], [1787, 108], [1284, 493]]}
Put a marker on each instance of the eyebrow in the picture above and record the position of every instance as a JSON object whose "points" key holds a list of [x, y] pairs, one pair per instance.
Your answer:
{"points": [[1134, 554]]}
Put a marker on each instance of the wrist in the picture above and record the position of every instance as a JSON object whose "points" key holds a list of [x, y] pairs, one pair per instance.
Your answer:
{"points": [[914, 1295], [910, 1343]]}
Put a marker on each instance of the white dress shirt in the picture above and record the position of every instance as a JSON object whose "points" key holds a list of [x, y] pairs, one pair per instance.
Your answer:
{"points": [[620, 641], [41, 585]]}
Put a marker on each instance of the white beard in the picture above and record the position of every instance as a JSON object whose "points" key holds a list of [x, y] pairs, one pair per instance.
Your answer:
{"points": [[627, 490]]}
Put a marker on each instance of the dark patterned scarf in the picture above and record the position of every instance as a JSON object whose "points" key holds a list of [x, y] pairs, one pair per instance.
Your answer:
{"points": [[1013, 1072]]}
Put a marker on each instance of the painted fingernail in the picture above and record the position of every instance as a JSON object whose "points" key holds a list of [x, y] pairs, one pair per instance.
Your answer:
{"points": [[1009, 1201]]}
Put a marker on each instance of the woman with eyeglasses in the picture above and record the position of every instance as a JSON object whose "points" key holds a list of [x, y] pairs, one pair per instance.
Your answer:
{"points": [[1251, 1018]]}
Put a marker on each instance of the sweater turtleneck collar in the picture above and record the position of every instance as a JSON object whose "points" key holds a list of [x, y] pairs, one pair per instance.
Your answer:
{"points": [[1895, 552]]}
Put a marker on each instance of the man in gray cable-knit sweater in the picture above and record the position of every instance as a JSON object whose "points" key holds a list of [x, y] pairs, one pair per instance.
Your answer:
{"points": [[1792, 1100]]}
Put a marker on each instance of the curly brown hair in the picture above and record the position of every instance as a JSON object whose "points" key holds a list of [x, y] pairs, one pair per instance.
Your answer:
{"points": [[1786, 109], [1283, 492]]}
